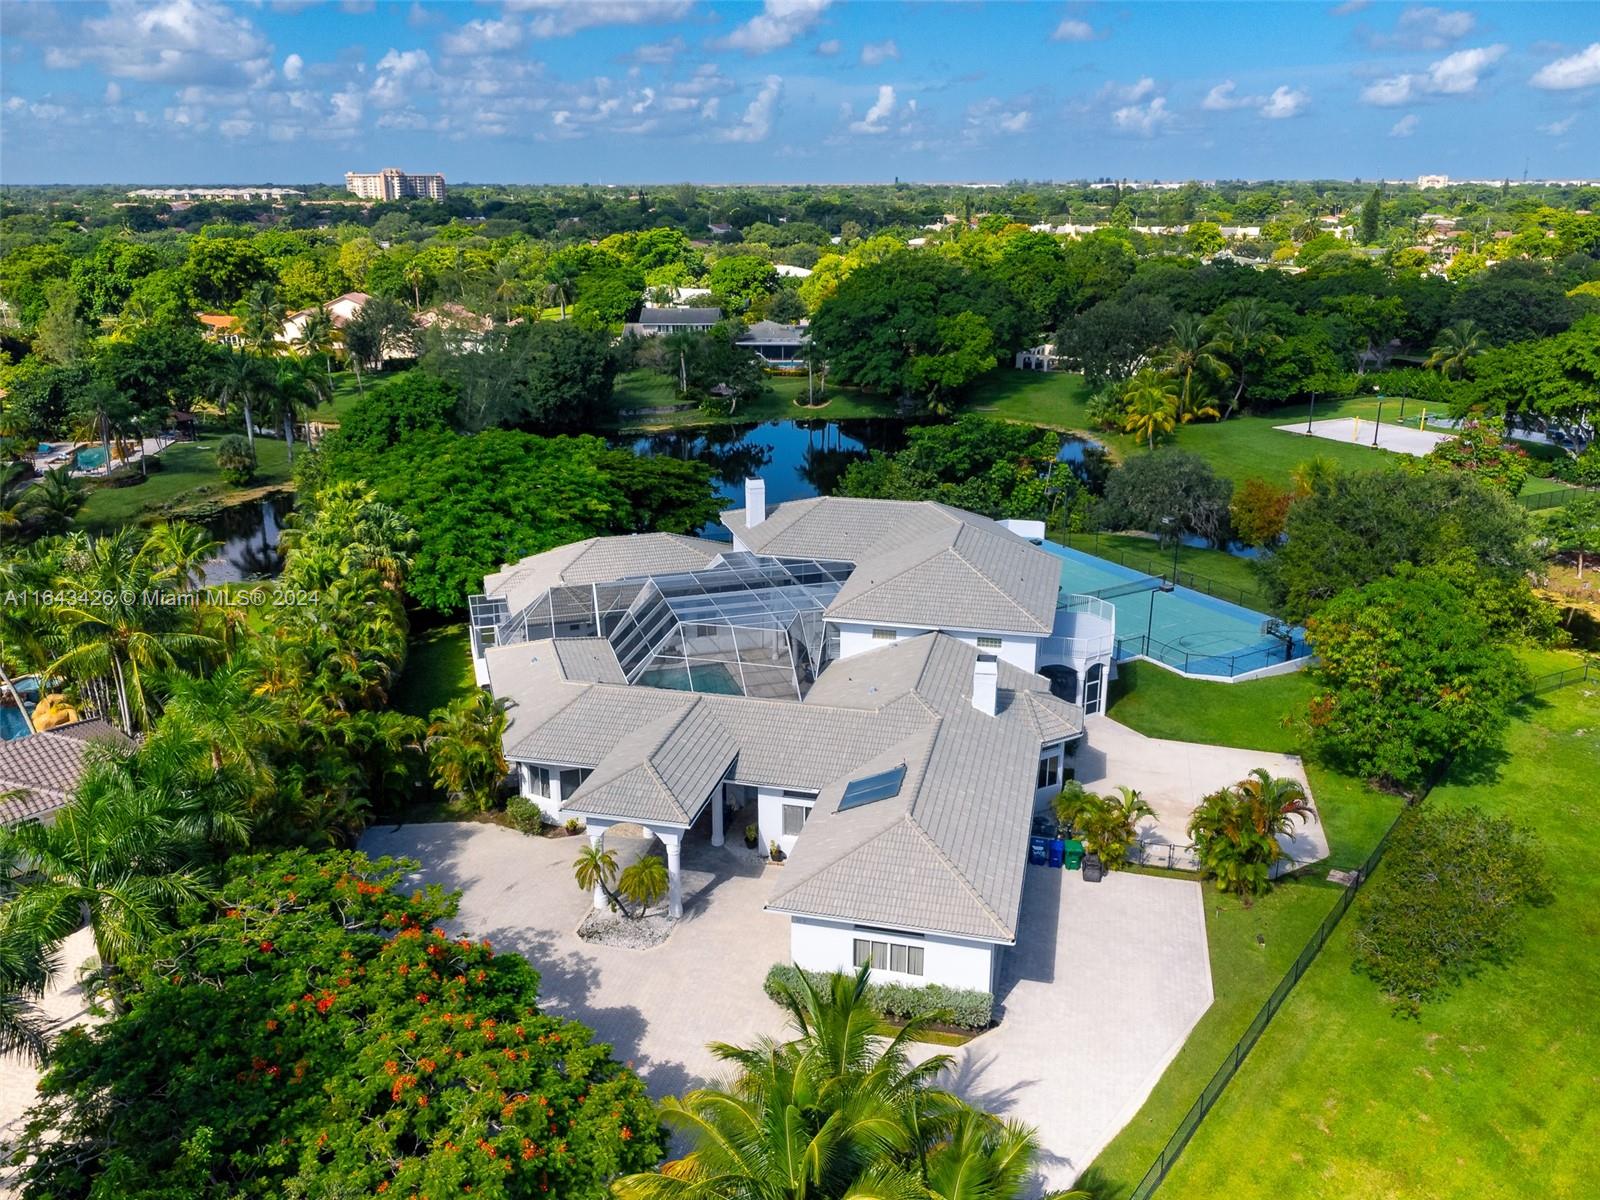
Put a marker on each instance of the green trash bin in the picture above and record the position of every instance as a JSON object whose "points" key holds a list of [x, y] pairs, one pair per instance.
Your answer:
{"points": [[1074, 854]]}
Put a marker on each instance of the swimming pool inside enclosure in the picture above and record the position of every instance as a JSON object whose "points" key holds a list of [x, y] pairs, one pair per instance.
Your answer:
{"points": [[1179, 627]]}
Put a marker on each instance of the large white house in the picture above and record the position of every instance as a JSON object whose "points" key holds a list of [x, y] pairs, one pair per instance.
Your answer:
{"points": [[871, 679]]}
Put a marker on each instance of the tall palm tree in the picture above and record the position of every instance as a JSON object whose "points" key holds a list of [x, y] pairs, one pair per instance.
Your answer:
{"points": [[1193, 350], [225, 714], [1457, 346], [13, 477], [113, 624], [562, 280], [506, 286], [28, 961], [112, 856], [176, 553], [1242, 334], [464, 748], [57, 498], [300, 388], [1152, 406], [241, 382], [263, 320], [319, 339]]}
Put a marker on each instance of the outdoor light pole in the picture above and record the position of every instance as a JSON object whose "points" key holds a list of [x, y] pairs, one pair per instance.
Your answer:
{"points": [[1311, 414], [1377, 425]]}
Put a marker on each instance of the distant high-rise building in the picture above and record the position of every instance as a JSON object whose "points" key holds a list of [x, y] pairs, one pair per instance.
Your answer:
{"points": [[1433, 181], [392, 183]]}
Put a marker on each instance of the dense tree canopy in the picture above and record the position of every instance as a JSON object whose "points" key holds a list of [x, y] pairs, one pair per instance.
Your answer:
{"points": [[319, 1032], [984, 466], [1167, 493]]}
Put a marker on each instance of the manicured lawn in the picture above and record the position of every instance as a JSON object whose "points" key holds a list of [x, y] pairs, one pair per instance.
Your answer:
{"points": [[784, 400], [1243, 970], [345, 394], [438, 670], [1240, 447], [1490, 1093], [188, 481]]}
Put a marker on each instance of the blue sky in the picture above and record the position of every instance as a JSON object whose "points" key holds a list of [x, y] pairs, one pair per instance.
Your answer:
{"points": [[196, 91]]}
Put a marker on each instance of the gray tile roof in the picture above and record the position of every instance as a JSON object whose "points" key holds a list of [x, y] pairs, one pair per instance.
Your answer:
{"points": [[38, 772], [588, 660], [599, 560], [918, 564], [679, 316], [773, 333], [662, 772]]}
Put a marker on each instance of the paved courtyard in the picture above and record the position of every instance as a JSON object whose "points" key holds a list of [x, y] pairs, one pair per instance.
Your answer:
{"points": [[1107, 982], [1402, 439], [1173, 777], [66, 1005]]}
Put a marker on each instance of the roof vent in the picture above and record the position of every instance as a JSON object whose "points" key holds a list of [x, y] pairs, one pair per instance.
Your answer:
{"points": [[755, 502], [985, 684]]}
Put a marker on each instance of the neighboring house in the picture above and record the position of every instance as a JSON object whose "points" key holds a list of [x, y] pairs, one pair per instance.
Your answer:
{"points": [[38, 772], [1039, 358], [860, 674], [341, 311], [655, 321], [777, 344], [788, 271], [222, 328]]}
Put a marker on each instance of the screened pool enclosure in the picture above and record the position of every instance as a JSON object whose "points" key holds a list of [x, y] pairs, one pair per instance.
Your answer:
{"points": [[745, 625]]}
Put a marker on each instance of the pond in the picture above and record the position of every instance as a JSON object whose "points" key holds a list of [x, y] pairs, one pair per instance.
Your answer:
{"points": [[797, 459], [249, 537]]}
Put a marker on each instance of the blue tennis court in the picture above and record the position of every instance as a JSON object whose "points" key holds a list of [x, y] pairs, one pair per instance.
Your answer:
{"points": [[1181, 628]]}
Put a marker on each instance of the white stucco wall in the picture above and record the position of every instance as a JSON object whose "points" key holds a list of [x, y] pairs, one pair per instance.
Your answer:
{"points": [[769, 806], [549, 802], [830, 946], [1014, 648]]}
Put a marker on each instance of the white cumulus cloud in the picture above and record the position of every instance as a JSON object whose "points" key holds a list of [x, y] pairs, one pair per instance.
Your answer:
{"points": [[1557, 128], [1423, 28], [293, 66], [876, 53], [1284, 101], [1578, 70], [1405, 126], [558, 18], [756, 122], [1453, 75], [1142, 119], [876, 118], [778, 24], [1072, 30]]}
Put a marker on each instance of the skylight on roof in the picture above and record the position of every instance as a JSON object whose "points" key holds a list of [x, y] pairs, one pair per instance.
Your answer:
{"points": [[873, 788]]}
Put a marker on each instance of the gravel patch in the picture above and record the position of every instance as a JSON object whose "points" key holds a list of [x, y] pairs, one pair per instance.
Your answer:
{"points": [[610, 929]]}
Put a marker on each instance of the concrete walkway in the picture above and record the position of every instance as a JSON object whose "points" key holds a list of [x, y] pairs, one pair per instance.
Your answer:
{"points": [[66, 1005], [1175, 776], [1402, 439], [1099, 995], [658, 1008]]}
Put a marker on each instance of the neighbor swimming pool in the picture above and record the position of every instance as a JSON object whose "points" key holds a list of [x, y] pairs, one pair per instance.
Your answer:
{"points": [[91, 459], [1181, 628]]}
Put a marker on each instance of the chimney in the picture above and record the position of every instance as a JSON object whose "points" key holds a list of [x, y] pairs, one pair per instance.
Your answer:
{"points": [[755, 502], [984, 684]]}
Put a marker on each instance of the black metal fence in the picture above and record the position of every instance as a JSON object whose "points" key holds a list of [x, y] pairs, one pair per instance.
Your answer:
{"points": [[1544, 500], [1158, 564], [1209, 1095], [1196, 662]]}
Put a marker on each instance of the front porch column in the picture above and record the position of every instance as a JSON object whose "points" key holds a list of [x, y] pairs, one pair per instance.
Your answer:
{"points": [[719, 803], [525, 780], [674, 843], [597, 838]]}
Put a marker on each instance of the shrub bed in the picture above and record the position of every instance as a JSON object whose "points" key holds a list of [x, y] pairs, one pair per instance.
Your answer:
{"points": [[963, 1008]]}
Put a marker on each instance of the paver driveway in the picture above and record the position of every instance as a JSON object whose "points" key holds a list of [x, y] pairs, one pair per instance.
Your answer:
{"points": [[658, 1008]]}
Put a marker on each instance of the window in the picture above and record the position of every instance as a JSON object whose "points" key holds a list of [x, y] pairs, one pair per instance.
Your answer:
{"points": [[888, 956], [1049, 772], [1093, 683], [541, 781], [883, 635], [794, 818], [988, 643]]}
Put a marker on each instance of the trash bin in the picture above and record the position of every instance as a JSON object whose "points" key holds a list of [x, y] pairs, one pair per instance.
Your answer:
{"points": [[1055, 852], [1093, 870], [1073, 852], [1038, 852]]}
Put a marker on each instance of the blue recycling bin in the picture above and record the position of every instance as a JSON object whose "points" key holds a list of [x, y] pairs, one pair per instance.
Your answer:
{"points": [[1057, 852], [1038, 852]]}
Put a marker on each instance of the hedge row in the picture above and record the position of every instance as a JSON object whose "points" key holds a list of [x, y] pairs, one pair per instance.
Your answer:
{"points": [[965, 1008]]}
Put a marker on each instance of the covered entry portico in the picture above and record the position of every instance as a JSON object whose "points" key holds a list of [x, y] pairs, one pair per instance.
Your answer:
{"points": [[670, 835]]}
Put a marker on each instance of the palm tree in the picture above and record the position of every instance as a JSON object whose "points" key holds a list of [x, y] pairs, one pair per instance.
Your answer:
{"points": [[1314, 474], [111, 856], [562, 280], [225, 714], [27, 964], [596, 867], [644, 883], [505, 285], [177, 553], [300, 387], [114, 625], [1244, 332], [1108, 825], [464, 748], [241, 381], [1152, 406], [1193, 349], [319, 339], [13, 475], [263, 320], [1236, 830], [1457, 346]]}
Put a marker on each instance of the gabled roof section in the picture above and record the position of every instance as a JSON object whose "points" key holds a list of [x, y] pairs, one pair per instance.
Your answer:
{"points": [[839, 527], [43, 769], [588, 660], [661, 772], [960, 577]]}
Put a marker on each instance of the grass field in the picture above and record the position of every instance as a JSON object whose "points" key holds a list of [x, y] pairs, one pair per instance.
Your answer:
{"points": [[438, 670], [1243, 970], [189, 479], [1490, 1093], [784, 400]]}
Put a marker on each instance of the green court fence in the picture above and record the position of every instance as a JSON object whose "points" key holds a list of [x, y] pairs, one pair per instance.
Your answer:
{"points": [[1544, 500], [1161, 565], [1212, 1092]]}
